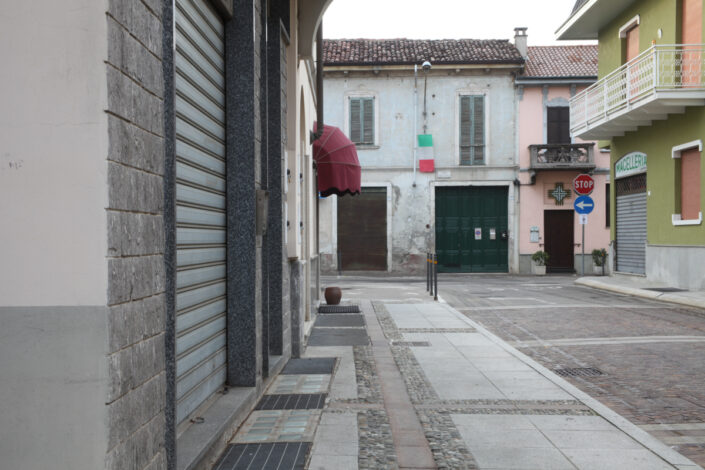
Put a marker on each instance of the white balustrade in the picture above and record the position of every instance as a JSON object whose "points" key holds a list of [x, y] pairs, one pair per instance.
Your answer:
{"points": [[659, 68]]}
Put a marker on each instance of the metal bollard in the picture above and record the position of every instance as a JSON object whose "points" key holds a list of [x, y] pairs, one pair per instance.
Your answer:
{"points": [[435, 277], [428, 272], [430, 268]]}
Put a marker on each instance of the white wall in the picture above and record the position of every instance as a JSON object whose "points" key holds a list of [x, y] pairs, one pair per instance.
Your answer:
{"points": [[53, 135], [391, 160], [53, 234]]}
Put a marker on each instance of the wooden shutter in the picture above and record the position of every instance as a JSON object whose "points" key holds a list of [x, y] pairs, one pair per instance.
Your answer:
{"points": [[362, 120], [465, 123], [478, 124], [368, 121], [690, 184], [355, 120], [472, 130]]}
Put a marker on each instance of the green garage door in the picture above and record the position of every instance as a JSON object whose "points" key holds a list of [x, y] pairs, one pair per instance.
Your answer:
{"points": [[470, 224]]}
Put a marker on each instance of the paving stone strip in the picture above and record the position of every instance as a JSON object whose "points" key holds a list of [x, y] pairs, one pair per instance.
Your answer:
{"points": [[410, 443]]}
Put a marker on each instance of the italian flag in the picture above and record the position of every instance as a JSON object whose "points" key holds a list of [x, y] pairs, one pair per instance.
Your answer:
{"points": [[425, 153]]}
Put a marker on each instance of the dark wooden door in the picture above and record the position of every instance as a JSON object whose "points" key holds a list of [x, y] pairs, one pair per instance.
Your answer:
{"points": [[558, 241], [362, 230], [470, 222]]}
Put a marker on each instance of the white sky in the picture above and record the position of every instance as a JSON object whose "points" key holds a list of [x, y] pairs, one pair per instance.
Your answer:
{"points": [[446, 19]]}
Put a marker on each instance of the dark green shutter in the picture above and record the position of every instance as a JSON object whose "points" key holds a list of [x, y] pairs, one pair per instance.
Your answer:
{"points": [[362, 120], [368, 121], [472, 130], [355, 121], [465, 123]]}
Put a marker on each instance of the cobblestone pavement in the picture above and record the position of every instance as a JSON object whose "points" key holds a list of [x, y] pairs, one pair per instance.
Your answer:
{"points": [[648, 354]]}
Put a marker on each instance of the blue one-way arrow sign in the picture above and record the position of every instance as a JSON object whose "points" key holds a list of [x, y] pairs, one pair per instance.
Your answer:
{"points": [[584, 205]]}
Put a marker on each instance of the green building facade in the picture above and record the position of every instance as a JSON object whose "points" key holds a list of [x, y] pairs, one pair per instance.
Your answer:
{"points": [[648, 106]]}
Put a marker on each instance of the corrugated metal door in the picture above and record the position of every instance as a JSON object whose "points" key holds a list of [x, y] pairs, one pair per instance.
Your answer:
{"points": [[200, 205], [631, 224], [362, 230]]}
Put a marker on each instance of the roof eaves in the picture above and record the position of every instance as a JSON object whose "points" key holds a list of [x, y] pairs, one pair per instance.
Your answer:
{"points": [[518, 62]]}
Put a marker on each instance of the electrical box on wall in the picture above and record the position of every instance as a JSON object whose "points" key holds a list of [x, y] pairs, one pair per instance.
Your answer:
{"points": [[534, 235]]}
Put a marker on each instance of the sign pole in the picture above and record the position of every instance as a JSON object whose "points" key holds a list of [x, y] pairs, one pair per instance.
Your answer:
{"points": [[583, 245]]}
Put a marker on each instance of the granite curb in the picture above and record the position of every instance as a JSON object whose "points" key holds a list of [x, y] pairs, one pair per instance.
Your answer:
{"points": [[689, 299]]}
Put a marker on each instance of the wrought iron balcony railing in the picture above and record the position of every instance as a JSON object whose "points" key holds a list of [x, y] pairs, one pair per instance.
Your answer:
{"points": [[562, 156], [663, 75]]}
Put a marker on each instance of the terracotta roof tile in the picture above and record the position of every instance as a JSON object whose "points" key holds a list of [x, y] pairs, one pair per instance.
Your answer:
{"points": [[561, 61], [415, 51]]}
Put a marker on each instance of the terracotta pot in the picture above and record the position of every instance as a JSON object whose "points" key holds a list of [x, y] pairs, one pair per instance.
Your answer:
{"points": [[333, 295]]}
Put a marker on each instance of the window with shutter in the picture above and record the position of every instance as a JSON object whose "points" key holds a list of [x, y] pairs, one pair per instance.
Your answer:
{"points": [[472, 130], [362, 121]]}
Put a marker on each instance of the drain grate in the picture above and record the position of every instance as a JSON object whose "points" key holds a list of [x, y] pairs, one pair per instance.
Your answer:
{"points": [[666, 289], [578, 372], [315, 365], [339, 309], [281, 455], [297, 401], [412, 344]]}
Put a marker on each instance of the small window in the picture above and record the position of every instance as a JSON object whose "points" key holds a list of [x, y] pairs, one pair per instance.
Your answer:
{"points": [[558, 125], [472, 130], [690, 184], [362, 121], [687, 159]]}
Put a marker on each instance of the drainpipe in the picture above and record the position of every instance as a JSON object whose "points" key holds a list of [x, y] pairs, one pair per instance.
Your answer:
{"points": [[416, 112], [319, 84], [316, 136]]}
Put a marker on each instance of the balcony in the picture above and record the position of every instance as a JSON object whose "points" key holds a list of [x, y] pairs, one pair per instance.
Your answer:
{"points": [[562, 157], [662, 80]]}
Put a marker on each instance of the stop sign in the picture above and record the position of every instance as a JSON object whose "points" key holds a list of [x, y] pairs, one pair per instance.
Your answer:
{"points": [[583, 184]]}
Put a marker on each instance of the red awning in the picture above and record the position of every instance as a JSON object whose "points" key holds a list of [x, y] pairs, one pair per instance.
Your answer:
{"points": [[338, 167]]}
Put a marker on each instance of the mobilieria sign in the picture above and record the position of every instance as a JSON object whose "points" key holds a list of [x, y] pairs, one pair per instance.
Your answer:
{"points": [[630, 164]]}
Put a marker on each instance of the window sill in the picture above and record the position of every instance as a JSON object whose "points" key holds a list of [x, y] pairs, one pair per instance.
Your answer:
{"points": [[677, 221], [366, 147]]}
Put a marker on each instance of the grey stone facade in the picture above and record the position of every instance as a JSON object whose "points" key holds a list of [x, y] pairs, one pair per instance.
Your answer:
{"points": [[141, 429], [89, 353], [136, 274]]}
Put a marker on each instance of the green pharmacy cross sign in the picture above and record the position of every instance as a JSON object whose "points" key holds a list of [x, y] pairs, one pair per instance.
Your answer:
{"points": [[559, 193]]}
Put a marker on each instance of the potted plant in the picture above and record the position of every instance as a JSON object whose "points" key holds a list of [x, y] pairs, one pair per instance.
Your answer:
{"points": [[599, 258], [540, 258]]}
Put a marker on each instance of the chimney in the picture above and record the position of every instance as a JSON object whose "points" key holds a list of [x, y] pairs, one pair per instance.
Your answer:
{"points": [[521, 41]]}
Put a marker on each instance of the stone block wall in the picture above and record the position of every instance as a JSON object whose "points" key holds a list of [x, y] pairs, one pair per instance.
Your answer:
{"points": [[136, 275]]}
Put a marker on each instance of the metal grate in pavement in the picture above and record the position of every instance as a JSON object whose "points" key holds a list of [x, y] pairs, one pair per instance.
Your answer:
{"points": [[666, 289], [340, 320], [338, 337], [292, 401], [339, 309], [279, 455], [412, 344], [316, 365], [578, 372]]}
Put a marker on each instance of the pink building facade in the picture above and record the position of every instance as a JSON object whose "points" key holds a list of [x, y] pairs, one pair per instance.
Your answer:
{"points": [[550, 159]]}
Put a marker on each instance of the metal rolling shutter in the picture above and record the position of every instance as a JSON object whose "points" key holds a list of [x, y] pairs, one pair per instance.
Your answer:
{"points": [[631, 225], [200, 205]]}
